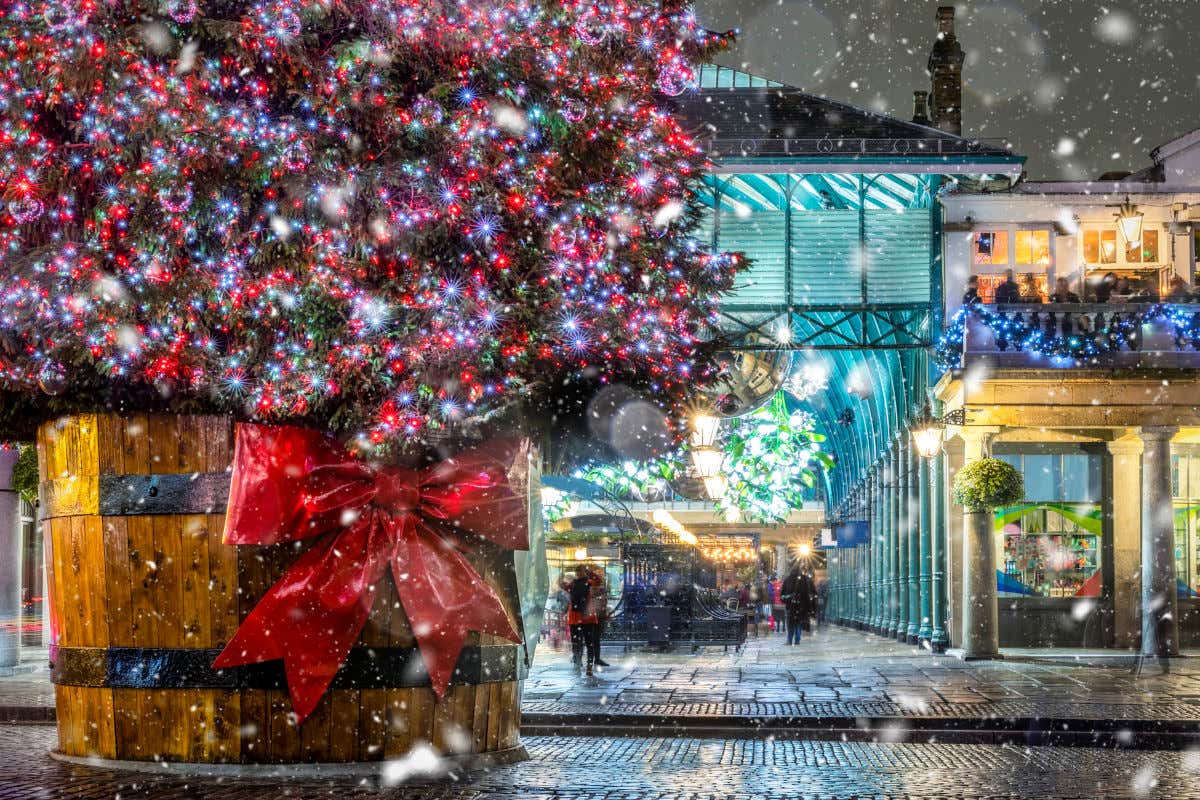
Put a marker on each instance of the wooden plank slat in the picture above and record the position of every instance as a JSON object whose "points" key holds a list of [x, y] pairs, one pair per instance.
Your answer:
{"points": [[372, 724], [344, 725], [314, 733], [479, 717], [227, 726], [142, 579], [254, 725], [495, 714], [118, 605], [196, 609]]}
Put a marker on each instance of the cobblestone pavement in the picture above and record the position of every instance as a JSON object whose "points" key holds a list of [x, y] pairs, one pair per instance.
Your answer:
{"points": [[851, 674], [670, 769]]}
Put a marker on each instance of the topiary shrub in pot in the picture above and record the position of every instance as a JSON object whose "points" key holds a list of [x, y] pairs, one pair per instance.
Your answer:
{"points": [[987, 484], [980, 487]]}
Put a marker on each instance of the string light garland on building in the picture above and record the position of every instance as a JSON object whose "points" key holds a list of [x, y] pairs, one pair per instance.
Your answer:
{"points": [[382, 217], [1089, 336]]}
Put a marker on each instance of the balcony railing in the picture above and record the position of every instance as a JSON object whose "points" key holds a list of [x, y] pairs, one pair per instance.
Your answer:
{"points": [[1057, 335]]}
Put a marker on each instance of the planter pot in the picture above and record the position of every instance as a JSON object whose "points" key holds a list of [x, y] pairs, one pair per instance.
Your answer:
{"points": [[144, 595], [980, 619]]}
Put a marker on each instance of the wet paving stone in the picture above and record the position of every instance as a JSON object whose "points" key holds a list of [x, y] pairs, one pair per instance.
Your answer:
{"points": [[672, 769]]}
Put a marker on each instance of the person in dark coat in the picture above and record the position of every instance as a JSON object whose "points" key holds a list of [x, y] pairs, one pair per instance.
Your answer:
{"points": [[800, 597], [1009, 291], [971, 295]]}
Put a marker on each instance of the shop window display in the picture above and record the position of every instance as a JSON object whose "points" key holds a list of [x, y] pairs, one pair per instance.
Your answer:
{"points": [[1185, 484], [1051, 544]]}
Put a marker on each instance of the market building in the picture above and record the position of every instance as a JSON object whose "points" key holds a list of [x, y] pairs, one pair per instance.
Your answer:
{"points": [[1093, 399]]}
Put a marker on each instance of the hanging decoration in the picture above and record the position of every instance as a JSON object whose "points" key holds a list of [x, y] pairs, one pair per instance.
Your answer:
{"points": [[384, 218], [773, 459], [769, 459]]}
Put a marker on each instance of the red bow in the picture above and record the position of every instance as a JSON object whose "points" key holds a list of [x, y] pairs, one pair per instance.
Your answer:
{"points": [[292, 483]]}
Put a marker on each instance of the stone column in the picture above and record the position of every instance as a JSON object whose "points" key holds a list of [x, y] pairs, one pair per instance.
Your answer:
{"points": [[1160, 612], [914, 541], [877, 525], [1126, 510], [953, 567], [925, 629], [938, 638], [886, 614], [902, 576], [981, 630], [10, 563]]}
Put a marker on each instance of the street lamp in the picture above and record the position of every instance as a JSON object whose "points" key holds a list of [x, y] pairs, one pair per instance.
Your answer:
{"points": [[715, 486], [707, 461], [927, 434], [1129, 220], [705, 427]]}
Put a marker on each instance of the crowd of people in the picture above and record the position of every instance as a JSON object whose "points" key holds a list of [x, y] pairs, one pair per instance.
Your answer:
{"points": [[784, 606], [1112, 288]]}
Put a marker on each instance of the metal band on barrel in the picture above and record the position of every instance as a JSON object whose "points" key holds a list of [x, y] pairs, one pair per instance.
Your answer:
{"points": [[179, 668]]}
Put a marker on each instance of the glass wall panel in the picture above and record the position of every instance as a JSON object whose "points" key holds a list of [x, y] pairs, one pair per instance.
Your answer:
{"points": [[1185, 486], [1050, 544]]}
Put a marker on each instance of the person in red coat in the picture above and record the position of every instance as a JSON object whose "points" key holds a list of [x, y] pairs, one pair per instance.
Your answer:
{"points": [[581, 617]]}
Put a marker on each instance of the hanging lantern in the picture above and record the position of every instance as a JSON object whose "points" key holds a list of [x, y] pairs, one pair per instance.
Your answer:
{"points": [[1129, 220], [707, 461], [927, 434]]}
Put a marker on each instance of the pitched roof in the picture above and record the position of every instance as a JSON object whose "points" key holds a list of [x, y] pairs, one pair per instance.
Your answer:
{"points": [[783, 120]]}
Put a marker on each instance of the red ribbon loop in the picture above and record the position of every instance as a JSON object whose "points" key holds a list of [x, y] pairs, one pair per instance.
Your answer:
{"points": [[292, 483]]}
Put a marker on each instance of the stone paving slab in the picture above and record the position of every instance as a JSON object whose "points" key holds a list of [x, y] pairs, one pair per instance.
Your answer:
{"points": [[671, 769], [840, 673]]}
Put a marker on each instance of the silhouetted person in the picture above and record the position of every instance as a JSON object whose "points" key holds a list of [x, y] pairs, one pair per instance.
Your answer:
{"points": [[1008, 291], [971, 296], [1063, 293]]}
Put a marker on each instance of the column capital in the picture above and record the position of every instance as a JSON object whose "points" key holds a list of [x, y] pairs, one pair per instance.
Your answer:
{"points": [[1128, 445], [1158, 432], [976, 433]]}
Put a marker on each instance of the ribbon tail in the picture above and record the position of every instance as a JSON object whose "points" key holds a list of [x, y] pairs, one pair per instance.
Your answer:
{"points": [[313, 615], [444, 599]]}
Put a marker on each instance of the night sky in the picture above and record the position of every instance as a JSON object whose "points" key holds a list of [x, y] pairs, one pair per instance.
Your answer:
{"points": [[1080, 88]]}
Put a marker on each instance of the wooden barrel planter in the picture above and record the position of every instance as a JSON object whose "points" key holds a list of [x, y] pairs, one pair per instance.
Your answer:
{"points": [[144, 595]]}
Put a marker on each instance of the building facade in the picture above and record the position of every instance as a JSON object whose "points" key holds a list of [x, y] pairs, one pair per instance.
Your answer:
{"points": [[1096, 400]]}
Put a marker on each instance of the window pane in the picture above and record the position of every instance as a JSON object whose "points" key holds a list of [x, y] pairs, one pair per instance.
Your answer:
{"points": [[991, 247], [1108, 247], [1192, 485], [1000, 250], [1024, 256], [1178, 476], [1091, 247], [1149, 246], [1081, 478], [1133, 252], [1041, 247], [1043, 477]]}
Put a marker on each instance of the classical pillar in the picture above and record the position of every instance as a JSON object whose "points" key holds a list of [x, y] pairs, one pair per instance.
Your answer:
{"points": [[10, 563], [914, 541], [925, 629], [1160, 613], [1125, 507], [939, 638], [889, 478], [877, 524], [903, 577], [981, 629], [893, 543]]}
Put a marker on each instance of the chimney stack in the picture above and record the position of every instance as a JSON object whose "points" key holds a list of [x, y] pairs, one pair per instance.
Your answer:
{"points": [[920, 107], [945, 73]]}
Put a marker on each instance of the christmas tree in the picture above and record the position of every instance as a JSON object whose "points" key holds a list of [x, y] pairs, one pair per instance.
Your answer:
{"points": [[381, 217]]}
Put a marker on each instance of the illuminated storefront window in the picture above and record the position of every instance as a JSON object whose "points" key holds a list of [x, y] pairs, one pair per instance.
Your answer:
{"points": [[1185, 486], [1051, 545]]}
